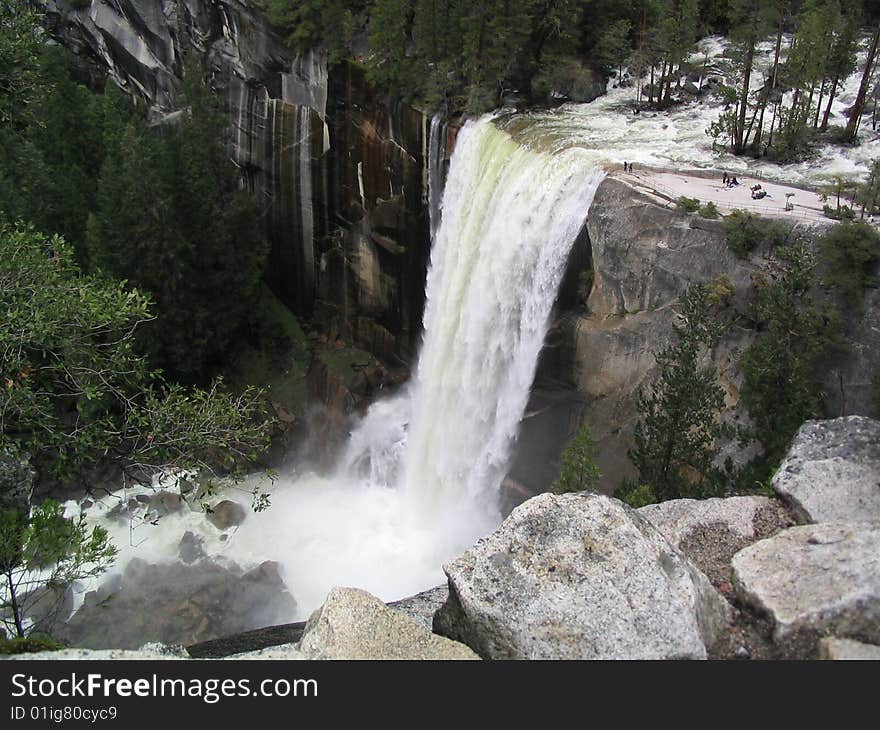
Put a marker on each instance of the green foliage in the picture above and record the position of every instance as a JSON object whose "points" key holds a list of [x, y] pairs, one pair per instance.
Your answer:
{"points": [[850, 253], [44, 551], [74, 390], [635, 494], [171, 219], [687, 205], [29, 644], [709, 210], [843, 213], [780, 389], [747, 231], [675, 438], [578, 471], [19, 59], [613, 46]]}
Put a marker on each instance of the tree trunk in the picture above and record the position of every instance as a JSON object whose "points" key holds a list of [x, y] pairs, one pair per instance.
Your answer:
{"points": [[819, 105], [13, 604], [853, 125], [831, 95], [744, 101]]}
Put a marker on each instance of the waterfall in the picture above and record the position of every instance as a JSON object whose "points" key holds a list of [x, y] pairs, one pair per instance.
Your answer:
{"points": [[436, 171], [511, 213], [419, 480]]}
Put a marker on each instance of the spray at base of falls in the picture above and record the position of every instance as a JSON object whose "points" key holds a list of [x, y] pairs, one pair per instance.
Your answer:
{"points": [[418, 482]]}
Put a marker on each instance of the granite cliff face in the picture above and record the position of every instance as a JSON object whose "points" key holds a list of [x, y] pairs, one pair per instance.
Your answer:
{"points": [[643, 255], [344, 170], [341, 168]]}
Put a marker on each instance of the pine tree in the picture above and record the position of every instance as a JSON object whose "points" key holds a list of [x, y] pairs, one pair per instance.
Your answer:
{"points": [[172, 219], [675, 438], [578, 471]]}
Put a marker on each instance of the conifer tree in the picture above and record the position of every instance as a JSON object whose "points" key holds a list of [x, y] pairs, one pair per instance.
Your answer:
{"points": [[675, 438]]}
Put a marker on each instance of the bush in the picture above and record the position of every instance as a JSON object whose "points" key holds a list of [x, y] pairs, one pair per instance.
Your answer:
{"points": [[844, 212], [635, 494], [747, 231], [29, 644], [687, 205], [849, 254], [578, 471], [709, 210]]}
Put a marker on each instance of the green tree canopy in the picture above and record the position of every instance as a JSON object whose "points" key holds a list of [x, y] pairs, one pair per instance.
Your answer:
{"points": [[578, 470], [675, 437]]}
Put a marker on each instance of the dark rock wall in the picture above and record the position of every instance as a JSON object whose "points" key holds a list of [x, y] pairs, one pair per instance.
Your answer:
{"points": [[339, 168]]}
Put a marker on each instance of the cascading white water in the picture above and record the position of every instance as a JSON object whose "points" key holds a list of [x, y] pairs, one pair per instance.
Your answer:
{"points": [[419, 480], [510, 216], [436, 158]]}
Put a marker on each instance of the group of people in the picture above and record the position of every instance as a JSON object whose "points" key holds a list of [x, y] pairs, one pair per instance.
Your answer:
{"points": [[758, 192], [729, 181], [627, 167]]}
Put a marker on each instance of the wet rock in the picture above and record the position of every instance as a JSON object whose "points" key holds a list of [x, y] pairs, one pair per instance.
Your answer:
{"points": [[191, 548], [579, 576], [164, 503], [226, 514], [815, 580], [352, 624], [174, 603], [832, 471]]}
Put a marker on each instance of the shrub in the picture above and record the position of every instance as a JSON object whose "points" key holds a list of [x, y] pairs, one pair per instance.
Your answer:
{"points": [[687, 205], [849, 254], [709, 210], [746, 231], [844, 212], [635, 494], [578, 471]]}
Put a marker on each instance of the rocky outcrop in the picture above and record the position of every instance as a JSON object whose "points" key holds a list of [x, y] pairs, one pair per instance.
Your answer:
{"points": [[196, 602], [711, 531], [579, 576], [340, 169], [422, 606], [847, 650], [814, 581], [832, 471], [643, 256], [352, 624]]}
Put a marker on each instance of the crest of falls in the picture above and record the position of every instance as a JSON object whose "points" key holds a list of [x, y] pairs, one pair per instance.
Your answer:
{"points": [[419, 480]]}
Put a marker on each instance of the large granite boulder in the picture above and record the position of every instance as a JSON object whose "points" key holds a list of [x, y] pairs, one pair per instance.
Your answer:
{"points": [[422, 606], [815, 580], [579, 576], [847, 650], [352, 624], [832, 471], [711, 531]]}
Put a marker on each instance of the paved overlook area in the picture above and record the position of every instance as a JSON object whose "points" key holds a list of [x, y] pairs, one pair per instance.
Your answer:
{"points": [[668, 186]]}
